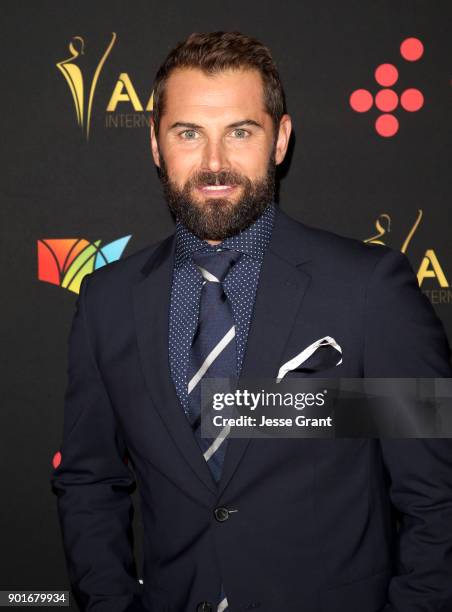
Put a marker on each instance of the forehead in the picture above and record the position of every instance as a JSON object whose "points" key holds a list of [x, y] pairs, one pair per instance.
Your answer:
{"points": [[190, 91]]}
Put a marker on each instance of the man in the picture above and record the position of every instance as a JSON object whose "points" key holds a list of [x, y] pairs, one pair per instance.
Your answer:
{"points": [[311, 525]]}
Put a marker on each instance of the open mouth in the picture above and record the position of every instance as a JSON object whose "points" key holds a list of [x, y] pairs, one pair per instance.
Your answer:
{"points": [[217, 189]]}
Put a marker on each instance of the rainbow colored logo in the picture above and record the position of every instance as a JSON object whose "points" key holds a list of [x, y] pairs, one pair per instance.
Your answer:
{"points": [[65, 261]]}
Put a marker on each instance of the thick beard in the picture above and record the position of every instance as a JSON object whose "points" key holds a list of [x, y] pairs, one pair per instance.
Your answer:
{"points": [[219, 218]]}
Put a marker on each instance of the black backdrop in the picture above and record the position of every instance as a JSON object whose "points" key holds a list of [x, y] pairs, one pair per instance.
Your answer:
{"points": [[57, 184]]}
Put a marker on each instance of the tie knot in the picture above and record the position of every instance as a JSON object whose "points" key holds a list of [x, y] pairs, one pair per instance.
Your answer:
{"points": [[214, 266]]}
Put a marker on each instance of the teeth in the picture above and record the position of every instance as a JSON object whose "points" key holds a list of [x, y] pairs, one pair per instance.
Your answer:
{"points": [[216, 187]]}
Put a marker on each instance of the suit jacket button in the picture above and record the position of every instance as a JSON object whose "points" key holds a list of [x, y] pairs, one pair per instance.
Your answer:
{"points": [[221, 514], [204, 606]]}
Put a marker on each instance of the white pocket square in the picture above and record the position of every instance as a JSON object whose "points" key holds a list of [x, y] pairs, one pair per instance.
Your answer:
{"points": [[306, 353]]}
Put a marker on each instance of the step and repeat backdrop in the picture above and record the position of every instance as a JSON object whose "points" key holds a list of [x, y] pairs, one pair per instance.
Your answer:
{"points": [[368, 86]]}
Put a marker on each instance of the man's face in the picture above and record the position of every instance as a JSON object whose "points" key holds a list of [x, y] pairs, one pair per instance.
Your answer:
{"points": [[217, 150]]}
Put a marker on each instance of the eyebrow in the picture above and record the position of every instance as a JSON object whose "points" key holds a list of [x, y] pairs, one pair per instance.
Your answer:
{"points": [[195, 126]]}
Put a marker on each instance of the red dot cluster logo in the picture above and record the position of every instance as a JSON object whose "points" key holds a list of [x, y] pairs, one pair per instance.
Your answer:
{"points": [[387, 100]]}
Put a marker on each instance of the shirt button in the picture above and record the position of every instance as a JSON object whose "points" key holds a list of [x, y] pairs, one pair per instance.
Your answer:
{"points": [[221, 514], [204, 606]]}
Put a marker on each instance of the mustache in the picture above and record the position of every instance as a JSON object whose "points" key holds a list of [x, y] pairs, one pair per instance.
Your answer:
{"points": [[224, 177]]}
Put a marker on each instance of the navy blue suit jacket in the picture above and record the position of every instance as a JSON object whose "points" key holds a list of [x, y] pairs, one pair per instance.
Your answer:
{"points": [[323, 525]]}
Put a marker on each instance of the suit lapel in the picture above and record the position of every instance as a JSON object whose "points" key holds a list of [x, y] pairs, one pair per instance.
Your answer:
{"points": [[151, 299], [281, 289]]}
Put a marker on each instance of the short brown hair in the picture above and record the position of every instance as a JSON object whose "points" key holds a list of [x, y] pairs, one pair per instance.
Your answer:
{"points": [[214, 52]]}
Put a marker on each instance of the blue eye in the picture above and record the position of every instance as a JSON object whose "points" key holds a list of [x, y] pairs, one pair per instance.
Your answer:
{"points": [[241, 133], [189, 132]]}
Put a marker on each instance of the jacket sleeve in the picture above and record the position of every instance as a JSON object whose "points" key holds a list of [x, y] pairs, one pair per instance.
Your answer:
{"points": [[404, 339], [93, 484]]}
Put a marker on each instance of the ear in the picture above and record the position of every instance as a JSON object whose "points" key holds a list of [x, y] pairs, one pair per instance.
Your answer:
{"points": [[154, 144], [285, 128]]}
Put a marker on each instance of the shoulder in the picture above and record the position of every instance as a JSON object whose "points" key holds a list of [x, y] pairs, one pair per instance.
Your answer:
{"points": [[118, 276], [403, 336], [331, 253]]}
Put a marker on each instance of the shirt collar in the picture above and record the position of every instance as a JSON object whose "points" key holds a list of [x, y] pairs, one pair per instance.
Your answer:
{"points": [[252, 241]]}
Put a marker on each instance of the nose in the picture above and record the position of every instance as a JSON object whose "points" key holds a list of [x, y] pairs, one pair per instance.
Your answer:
{"points": [[214, 156]]}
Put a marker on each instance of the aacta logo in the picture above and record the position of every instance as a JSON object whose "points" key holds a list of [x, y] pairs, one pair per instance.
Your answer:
{"points": [[387, 100], [430, 266], [65, 261], [123, 109], [76, 82]]}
